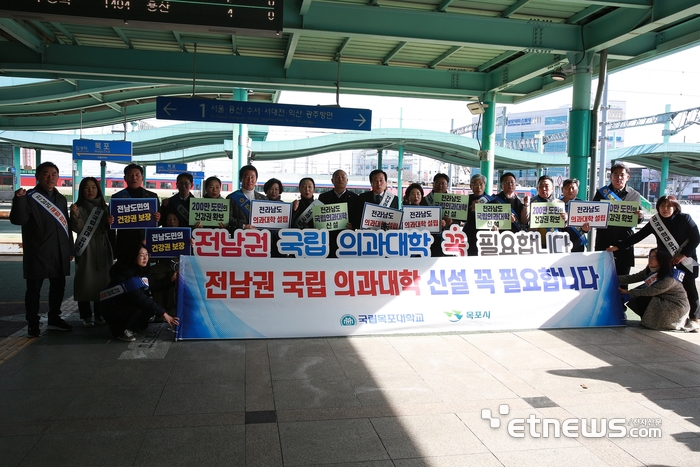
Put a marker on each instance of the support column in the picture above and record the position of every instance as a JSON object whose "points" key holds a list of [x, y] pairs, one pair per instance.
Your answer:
{"points": [[665, 159], [379, 159], [488, 141], [17, 165], [240, 135], [37, 158], [103, 177], [580, 124], [399, 177], [77, 178]]}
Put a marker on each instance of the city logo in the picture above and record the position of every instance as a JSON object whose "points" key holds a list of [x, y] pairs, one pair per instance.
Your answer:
{"points": [[454, 315], [537, 427], [348, 320]]}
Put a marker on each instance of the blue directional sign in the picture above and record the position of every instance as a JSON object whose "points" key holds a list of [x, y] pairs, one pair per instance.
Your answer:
{"points": [[163, 168], [94, 150], [260, 113]]}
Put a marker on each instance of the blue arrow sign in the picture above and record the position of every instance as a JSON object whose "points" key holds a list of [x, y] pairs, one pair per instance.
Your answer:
{"points": [[94, 150], [260, 113]]}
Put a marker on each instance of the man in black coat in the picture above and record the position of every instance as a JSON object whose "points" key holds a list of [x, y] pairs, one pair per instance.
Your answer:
{"points": [[618, 191], [377, 195], [179, 203], [48, 246], [133, 176], [339, 194]]}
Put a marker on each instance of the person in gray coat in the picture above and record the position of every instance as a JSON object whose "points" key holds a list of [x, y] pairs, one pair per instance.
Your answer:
{"points": [[48, 246], [89, 218], [661, 301]]}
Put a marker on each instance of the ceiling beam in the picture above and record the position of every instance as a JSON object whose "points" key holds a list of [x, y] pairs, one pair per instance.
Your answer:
{"points": [[392, 54], [332, 19], [22, 34], [123, 37], [291, 48]]}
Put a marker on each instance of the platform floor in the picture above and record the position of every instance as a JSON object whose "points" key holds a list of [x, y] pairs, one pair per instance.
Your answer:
{"points": [[80, 398]]}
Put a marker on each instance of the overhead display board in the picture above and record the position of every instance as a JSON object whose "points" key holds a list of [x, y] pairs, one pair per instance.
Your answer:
{"points": [[264, 15]]}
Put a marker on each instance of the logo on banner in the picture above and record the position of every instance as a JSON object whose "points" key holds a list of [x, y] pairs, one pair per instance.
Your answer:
{"points": [[348, 320], [453, 315]]}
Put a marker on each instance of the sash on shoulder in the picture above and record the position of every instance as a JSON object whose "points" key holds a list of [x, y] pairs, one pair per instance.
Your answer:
{"points": [[179, 206], [308, 213], [51, 208], [578, 231], [387, 199], [607, 193], [653, 277], [483, 199], [129, 285], [669, 242], [88, 230], [242, 202]]}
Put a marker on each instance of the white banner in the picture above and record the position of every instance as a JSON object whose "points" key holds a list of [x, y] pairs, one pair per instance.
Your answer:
{"points": [[283, 298]]}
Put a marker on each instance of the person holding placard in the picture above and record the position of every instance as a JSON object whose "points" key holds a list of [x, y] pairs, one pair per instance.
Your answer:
{"points": [[240, 199], [302, 209], [676, 232], [618, 191], [127, 304], [441, 182], [414, 196], [133, 176], [89, 218], [377, 195], [179, 203], [273, 189], [338, 195], [478, 185], [212, 190], [545, 194], [576, 234], [48, 246], [518, 209]]}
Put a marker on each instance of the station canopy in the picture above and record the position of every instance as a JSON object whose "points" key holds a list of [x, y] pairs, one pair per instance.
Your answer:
{"points": [[108, 69]]}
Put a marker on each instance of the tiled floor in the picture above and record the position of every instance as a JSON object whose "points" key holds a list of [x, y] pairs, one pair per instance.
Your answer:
{"points": [[80, 398]]}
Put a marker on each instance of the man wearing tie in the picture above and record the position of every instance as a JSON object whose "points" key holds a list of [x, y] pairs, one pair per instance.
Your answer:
{"points": [[377, 195]]}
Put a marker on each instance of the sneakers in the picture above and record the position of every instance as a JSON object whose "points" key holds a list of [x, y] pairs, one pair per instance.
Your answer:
{"points": [[88, 323], [33, 331], [100, 322], [127, 336], [691, 326], [59, 325]]}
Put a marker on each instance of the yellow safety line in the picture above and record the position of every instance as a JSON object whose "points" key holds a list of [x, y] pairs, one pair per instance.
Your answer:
{"points": [[10, 346]]}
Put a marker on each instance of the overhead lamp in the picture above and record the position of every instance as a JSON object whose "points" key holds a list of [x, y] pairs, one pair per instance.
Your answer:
{"points": [[558, 75], [477, 108]]}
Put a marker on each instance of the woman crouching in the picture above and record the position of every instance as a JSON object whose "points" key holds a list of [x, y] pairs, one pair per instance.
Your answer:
{"points": [[127, 303], [661, 301]]}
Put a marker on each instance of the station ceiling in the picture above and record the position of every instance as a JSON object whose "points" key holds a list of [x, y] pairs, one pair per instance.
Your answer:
{"points": [[108, 71]]}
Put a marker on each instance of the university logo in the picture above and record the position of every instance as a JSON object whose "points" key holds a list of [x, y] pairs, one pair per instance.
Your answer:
{"points": [[348, 320]]}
